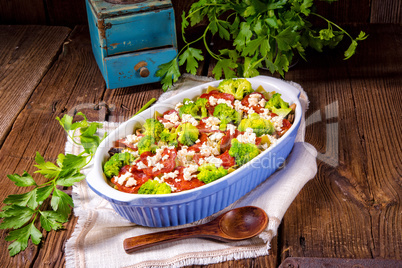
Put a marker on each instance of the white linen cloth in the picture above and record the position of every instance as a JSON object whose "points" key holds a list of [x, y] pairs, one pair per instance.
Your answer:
{"points": [[97, 240]]}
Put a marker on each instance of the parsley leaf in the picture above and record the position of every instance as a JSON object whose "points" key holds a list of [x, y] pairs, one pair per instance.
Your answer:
{"points": [[24, 180], [21, 210], [191, 56], [21, 237]]}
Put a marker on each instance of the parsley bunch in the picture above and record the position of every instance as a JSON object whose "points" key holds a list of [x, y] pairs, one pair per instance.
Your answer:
{"points": [[24, 211], [264, 33]]}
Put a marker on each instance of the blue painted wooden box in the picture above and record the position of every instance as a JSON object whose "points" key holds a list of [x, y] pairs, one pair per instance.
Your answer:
{"points": [[130, 41]]}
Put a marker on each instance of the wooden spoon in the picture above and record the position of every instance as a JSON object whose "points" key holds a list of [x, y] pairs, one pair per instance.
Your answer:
{"points": [[236, 224]]}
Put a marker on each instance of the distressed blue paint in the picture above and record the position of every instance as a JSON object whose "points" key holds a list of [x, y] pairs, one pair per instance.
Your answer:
{"points": [[120, 68], [107, 10], [142, 31], [124, 35]]}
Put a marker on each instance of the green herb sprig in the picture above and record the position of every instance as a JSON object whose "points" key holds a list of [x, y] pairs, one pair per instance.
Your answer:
{"points": [[24, 212], [264, 33]]}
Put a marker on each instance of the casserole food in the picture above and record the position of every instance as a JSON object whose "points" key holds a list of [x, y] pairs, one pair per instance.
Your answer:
{"points": [[191, 205]]}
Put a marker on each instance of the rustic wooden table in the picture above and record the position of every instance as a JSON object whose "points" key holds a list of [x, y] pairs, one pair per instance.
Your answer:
{"points": [[350, 210]]}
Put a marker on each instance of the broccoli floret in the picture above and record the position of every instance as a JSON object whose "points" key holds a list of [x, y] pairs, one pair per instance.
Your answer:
{"points": [[153, 128], [227, 86], [243, 152], [259, 125], [278, 106], [237, 87], [201, 104], [116, 162], [169, 137], [196, 109], [146, 144], [154, 187], [209, 173], [188, 134], [226, 115]]}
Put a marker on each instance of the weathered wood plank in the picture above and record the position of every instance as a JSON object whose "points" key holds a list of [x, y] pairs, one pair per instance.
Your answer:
{"points": [[355, 202], [25, 55], [386, 11], [22, 12], [72, 83]]}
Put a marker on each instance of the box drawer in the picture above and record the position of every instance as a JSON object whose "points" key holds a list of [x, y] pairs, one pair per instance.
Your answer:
{"points": [[140, 31], [126, 69]]}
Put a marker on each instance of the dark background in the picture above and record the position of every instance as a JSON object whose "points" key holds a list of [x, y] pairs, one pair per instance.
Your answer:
{"points": [[72, 12]]}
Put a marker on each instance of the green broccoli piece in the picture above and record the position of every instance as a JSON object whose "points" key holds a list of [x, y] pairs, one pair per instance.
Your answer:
{"points": [[226, 115], [153, 128], [243, 152], [237, 87], [169, 137], [259, 125], [146, 144], [278, 106], [188, 134], [189, 107], [116, 162], [154, 187], [201, 104], [209, 173]]}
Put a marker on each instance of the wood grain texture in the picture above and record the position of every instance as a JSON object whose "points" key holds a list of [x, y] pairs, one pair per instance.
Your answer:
{"points": [[73, 83], [26, 53], [23, 12], [351, 209], [355, 203], [71, 13], [386, 11]]}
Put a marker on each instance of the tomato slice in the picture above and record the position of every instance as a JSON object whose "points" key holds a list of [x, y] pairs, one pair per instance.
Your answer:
{"points": [[181, 184], [139, 176], [202, 128], [227, 160], [227, 139]]}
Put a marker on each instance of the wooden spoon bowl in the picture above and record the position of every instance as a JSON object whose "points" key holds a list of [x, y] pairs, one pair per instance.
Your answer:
{"points": [[234, 225]]}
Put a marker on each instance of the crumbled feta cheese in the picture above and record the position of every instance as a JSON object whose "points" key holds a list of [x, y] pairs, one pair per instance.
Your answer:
{"points": [[121, 179], [262, 102], [250, 111], [131, 182], [228, 102], [247, 137], [169, 175], [165, 157], [265, 114], [168, 124], [211, 159], [212, 100], [177, 107], [173, 118], [216, 136], [209, 149], [158, 166], [172, 187], [141, 165], [254, 99], [277, 121], [231, 128], [188, 118], [133, 138], [211, 122], [188, 171], [185, 156], [134, 153]]}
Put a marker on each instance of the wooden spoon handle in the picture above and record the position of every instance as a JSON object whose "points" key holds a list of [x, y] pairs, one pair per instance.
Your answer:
{"points": [[144, 241]]}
